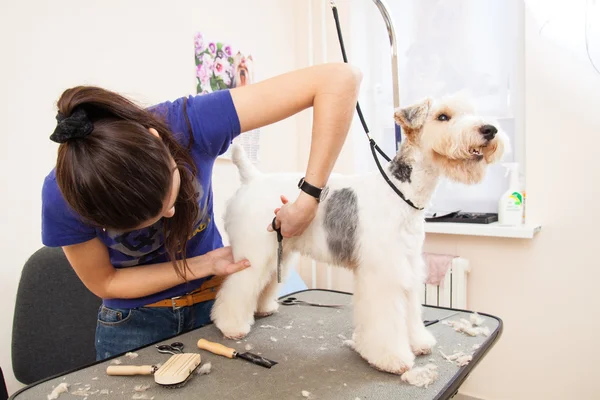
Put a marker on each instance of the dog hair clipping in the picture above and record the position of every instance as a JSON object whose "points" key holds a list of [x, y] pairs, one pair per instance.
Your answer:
{"points": [[76, 125]]}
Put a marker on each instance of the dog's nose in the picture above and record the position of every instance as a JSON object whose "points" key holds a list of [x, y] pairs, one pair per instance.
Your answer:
{"points": [[488, 131]]}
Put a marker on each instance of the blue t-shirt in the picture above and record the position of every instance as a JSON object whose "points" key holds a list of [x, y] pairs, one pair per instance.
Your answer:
{"points": [[214, 123]]}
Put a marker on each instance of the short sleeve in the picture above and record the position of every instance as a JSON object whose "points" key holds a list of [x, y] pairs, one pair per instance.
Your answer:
{"points": [[213, 120], [61, 226]]}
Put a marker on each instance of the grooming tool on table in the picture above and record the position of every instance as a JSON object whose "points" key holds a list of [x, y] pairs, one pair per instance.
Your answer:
{"points": [[435, 321], [291, 301], [221, 350], [279, 248], [172, 374], [173, 348]]}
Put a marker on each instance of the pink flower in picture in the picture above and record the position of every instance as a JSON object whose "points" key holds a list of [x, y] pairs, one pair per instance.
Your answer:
{"points": [[222, 67], [208, 62], [227, 50], [199, 43], [212, 47], [203, 74], [226, 79]]}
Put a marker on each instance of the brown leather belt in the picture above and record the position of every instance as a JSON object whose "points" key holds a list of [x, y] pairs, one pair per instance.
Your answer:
{"points": [[208, 291]]}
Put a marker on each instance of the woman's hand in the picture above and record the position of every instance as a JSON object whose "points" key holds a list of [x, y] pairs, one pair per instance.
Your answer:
{"points": [[294, 218], [220, 262]]}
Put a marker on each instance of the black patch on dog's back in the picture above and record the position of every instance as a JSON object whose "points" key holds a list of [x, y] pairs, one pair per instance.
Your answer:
{"points": [[341, 224], [400, 169]]}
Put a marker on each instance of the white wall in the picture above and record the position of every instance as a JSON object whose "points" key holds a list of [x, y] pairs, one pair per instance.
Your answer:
{"points": [[143, 49]]}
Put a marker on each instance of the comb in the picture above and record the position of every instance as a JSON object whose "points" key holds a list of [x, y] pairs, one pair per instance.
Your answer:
{"points": [[172, 374]]}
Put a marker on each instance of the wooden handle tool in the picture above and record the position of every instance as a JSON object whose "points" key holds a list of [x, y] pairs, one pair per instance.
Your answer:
{"points": [[128, 370], [221, 350], [173, 373], [216, 348]]}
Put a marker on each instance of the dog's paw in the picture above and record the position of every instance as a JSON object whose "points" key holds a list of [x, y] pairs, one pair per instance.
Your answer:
{"points": [[394, 365], [422, 343], [232, 330], [235, 336], [267, 310]]}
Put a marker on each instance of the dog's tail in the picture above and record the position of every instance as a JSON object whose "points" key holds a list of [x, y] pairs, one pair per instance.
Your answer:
{"points": [[246, 169]]}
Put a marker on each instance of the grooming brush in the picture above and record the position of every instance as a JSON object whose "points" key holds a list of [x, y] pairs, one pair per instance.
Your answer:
{"points": [[221, 350], [172, 374]]}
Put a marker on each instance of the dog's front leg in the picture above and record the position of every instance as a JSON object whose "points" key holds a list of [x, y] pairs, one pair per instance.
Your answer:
{"points": [[421, 339], [267, 302], [380, 314], [236, 302]]}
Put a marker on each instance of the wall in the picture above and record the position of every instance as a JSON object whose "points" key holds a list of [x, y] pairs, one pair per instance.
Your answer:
{"points": [[545, 289], [143, 49]]}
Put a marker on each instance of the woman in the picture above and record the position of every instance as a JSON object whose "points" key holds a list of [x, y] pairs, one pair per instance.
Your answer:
{"points": [[130, 199]]}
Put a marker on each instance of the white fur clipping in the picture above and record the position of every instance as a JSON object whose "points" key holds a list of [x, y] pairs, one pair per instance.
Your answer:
{"points": [[350, 343], [465, 326], [248, 347], [95, 378], [476, 346], [116, 361], [305, 393], [273, 339], [141, 388], [104, 391], [459, 358], [205, 369], [421, 376], [131, 355], [477, 319], [62, 388], [269, 327]]}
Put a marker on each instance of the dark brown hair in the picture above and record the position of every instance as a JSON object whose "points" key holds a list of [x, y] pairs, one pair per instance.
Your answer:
{"points": [[119, 176]]}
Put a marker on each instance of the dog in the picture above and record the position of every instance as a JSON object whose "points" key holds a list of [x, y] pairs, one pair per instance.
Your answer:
{"points": [[243, 68], [362, 225]]}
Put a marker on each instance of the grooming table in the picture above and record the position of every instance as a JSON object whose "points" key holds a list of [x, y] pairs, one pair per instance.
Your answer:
{"points": [[311, 357]]}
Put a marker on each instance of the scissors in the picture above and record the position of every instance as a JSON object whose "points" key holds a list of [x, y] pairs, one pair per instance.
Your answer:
{"points": [[291, 301], [173, 348]]}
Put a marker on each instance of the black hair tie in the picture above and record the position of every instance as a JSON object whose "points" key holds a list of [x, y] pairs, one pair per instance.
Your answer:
{"points": [[76, 125]]}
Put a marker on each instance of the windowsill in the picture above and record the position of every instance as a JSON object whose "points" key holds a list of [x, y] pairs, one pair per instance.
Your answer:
{"points": [[526, 231]]}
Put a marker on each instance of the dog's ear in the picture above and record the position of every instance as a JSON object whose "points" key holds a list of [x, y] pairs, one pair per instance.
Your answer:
{"points": [[413, 117]]}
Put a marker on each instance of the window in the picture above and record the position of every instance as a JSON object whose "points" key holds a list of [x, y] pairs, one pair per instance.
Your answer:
{"points": [[444, 46]]}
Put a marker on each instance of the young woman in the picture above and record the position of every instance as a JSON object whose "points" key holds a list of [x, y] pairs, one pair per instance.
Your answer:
{"points": [[130, 200]]}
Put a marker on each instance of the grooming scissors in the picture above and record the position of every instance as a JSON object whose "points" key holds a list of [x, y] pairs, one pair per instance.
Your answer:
{"points": [[292, 301], [173, 348]]}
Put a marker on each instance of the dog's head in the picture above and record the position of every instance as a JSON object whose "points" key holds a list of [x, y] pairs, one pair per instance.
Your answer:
{"points": [[244, 69], [450, 135]]}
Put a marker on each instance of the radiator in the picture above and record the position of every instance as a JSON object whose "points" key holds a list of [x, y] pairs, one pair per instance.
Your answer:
{"points": [[453, 294]]}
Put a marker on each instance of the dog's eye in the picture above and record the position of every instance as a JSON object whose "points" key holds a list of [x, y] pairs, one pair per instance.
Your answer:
{"points": [[443, 117]]}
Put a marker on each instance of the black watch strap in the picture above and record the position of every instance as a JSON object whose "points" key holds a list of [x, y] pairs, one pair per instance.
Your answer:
{"points": [[310, 189]]}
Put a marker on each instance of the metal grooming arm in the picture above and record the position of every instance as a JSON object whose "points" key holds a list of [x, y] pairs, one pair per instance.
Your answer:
{"points": [[383, 9]]}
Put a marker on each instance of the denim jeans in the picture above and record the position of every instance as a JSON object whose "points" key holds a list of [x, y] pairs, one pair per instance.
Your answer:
{"points": [[121, 330]]}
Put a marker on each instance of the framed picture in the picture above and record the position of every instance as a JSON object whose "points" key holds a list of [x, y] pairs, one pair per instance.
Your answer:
{"points": [[219, 67]]}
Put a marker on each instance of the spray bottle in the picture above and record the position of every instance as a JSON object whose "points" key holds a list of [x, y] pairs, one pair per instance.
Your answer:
{"points": [[510, 206]]}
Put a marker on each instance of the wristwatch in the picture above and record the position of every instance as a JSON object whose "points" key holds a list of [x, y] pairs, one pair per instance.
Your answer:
{"points": [[318, 193]]}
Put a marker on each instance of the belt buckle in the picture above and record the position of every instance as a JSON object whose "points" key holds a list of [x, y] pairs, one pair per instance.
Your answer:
{"points": [[173, 300]]}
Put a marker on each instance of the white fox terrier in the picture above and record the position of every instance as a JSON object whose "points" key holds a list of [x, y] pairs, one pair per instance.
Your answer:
{"points": [[362, 225]]}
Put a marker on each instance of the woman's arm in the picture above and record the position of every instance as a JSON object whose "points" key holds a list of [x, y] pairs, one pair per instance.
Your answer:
{"points": [[332, 91], [91, 263]]}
